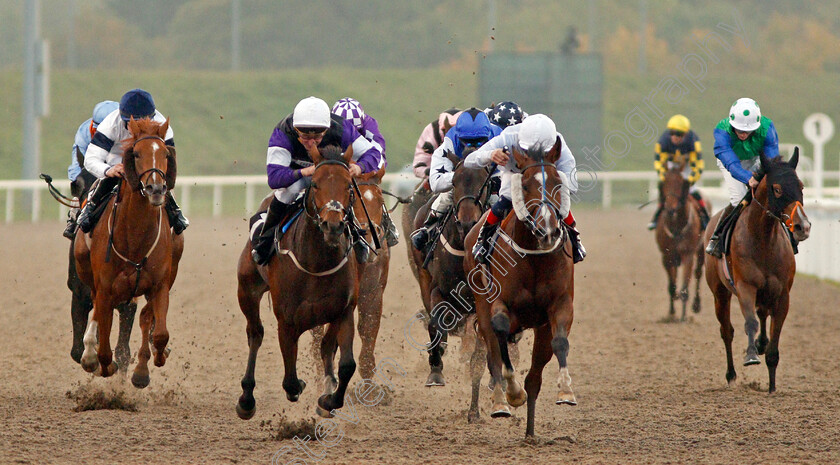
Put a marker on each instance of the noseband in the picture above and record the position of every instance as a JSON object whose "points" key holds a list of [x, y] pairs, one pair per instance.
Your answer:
{"points": [[544, 202], [151, 171], [783, 218], [332, 205]]}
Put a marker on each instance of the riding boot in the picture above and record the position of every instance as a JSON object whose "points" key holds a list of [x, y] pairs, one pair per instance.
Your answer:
{"points": [[263, 243], [176, 219], [481, 248], [652, 225], [793, 242], [70, 229], [420, 237], [714, 246], [578, 251], [392, 236], [360, 246], [701, 209], [103, 188]]}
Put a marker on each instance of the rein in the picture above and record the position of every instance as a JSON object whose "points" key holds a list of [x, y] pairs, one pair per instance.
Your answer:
{"points": [[787, 222], [150, 171], [57, 195]]}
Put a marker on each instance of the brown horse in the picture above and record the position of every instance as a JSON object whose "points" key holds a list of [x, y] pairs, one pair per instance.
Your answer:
{"points": [[373, 275], [312, 280], [529, 284], [132, 252], [678, 235], [760, 267]]}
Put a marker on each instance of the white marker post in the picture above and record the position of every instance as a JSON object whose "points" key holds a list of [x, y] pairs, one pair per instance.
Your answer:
{"points": [[818, 129]]}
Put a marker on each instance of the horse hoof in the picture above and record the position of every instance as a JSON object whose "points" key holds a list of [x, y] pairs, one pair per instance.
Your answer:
{"points": [[500, 411], [517, 400], [245, 414], [435, 379], [295, 397], [327, 403], [751, 360], [322, 413], [90, 361], [473, 417], [566, 398], [112, 368], [140, 381], [696, 306]]}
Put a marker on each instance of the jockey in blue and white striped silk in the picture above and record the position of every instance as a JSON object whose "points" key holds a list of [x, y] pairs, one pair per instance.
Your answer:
{"points": [[350, 109], [105, 154], [290, 168], [536, 130]]}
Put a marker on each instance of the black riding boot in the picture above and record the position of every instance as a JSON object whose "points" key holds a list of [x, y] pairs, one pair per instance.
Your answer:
{"points": [[481, 248], [392, 236], [652, 225], [714, 247], [793, 242], [176, 219], [103, 188], [263, 243], [360, 246], [578, 251], [70, 229], [420, 237]]}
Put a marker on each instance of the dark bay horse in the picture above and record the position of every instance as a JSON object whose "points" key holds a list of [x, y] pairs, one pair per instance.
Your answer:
{"points": [[678, 235], [529, 284], [81, 302], [132, 252], [761, 264], [443, 286], [373, 274], [312, 280]]}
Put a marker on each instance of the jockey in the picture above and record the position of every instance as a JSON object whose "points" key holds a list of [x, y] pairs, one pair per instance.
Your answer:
{"points": [[739, 140], [536, 130], [430, 139], [83, 136], [350, 109], [105, 154], [290, 168], [505, 114], [676, 142], [472, 129]]}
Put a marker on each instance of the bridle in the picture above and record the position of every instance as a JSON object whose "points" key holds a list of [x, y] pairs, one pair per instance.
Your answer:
{"points": [[783, 218], [544, 202], [151, 171], [332, 205]]}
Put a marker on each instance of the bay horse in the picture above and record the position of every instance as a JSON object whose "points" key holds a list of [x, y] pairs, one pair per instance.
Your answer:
{"points": [[132, 252], [312, 280], [81, 302], [373, 274], [529, 284], [679, 237], [760, 267], [445, 294]]}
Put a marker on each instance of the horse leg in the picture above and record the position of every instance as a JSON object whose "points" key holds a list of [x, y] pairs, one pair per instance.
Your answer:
{"points": [[103, 314], [249, 303], [778, 319], [346, 364], [288, 337], [501, 322], [140, 377], [438, 337], [671, 269], [746, 297], [540, 356], [317, 334], [123, 351], [687, 264], [727, 332], [80, 307], [160, 334], [370, 316], [698, 271], [477, 362], [469, 339], [761, 341], [494, 359], [329, 345]]}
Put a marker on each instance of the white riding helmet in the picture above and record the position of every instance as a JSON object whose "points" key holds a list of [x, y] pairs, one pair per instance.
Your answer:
{"points": [[537, 130], [745, 115], [311, 112]]}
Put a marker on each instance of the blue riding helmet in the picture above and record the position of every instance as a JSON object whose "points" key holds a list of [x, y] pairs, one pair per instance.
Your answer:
{"points": [[103, 109], [473, 128], [137, 103]]}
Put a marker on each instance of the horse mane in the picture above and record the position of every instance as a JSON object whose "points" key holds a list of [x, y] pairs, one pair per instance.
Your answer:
{"points": [[537, 153], [146, 127], [332, 152]]}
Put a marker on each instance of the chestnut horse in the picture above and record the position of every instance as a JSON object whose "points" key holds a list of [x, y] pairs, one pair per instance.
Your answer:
{"points": [[678, 235], [760, 267], [529, 284], [132, 252], [312, 280], [443, 285]]}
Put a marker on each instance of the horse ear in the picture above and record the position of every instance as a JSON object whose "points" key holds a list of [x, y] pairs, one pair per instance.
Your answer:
{"points": [[348, 154], [133, 126], [520, 158], [171, 168], [794, 159], [554, 153], [162, 129], [130, 170], [446, 126], [452, 157], [765, 163], [315, 155]]}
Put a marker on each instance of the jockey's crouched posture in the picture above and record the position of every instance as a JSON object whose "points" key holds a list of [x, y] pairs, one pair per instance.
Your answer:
{"points": [[104, 156], [535, 131], [472, 129], [290, 168]]}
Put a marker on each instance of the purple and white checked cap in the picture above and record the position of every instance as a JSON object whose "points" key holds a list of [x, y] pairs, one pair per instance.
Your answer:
{"points": [[350, 109]]}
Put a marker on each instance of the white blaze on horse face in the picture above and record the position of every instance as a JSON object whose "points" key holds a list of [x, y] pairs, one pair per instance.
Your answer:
{"points": [[369, 196], [155, 148]]}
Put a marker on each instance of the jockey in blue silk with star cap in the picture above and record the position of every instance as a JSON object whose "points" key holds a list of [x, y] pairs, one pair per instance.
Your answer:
{"points": [[350, 109], [472, 129], [740, 139], [289, 167]]}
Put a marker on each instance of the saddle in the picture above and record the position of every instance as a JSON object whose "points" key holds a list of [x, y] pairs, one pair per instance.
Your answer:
{"points": [[293, 214], [96, 213]]}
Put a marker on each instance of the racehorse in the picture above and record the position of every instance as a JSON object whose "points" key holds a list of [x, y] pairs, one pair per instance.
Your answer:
{"points": [[529, 283], [312, 280], [421, 194], [446, 297], [132, 252], [760, 266], [678, 235], [373, 275]]}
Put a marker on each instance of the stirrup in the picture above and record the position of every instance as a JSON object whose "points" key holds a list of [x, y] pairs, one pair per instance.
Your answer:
{"points": [[651, 226], [420, 238], [70, 230], [712, 247]]}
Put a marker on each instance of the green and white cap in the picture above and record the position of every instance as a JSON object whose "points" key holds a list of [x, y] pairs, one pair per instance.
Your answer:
{"points": [[745, 115]]}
